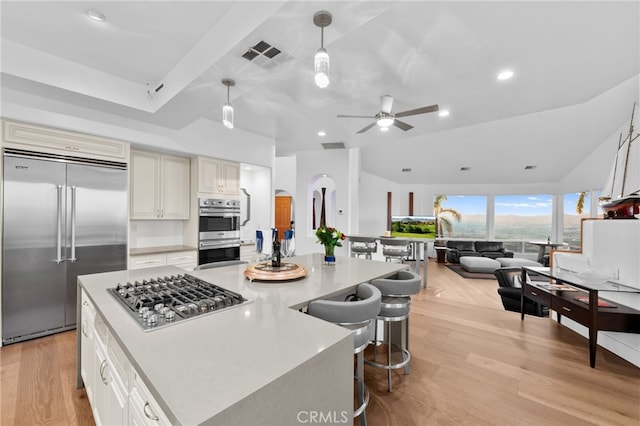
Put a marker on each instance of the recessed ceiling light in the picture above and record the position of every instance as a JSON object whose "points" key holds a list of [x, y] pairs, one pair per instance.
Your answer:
{"points": [[443, 113], [505, 75], [384, 129], [322, 133], [96, 15]]}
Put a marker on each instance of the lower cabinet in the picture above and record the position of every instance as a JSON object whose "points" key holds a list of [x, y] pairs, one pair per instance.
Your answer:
{"points": [[115, 391], [143, 409]]}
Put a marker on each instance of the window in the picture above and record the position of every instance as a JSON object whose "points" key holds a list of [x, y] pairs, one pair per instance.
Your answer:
{"points": [[577, 205], [461, 216], [522, 218]]}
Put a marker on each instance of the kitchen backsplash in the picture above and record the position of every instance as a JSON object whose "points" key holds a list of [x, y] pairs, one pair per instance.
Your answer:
{"points": [[154, 233]]}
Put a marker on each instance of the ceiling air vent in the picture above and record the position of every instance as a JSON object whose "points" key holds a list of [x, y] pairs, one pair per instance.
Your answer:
{"points": [[465, 169], [530, 167], [407, 170], [333, 145], [266, 55]]}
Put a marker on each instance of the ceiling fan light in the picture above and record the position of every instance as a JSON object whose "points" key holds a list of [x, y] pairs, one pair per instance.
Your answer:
{"points": [[385, 121], [321, 68], [227, 115]]}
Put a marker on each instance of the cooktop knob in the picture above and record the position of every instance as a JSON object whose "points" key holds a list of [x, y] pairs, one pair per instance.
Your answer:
{"points": [[169, 315], [152, 320], [142, 311]]}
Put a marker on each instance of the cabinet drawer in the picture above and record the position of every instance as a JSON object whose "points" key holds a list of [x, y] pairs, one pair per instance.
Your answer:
{"points": [[145, 405], [181, 257], [537, 295], [147, 261], [576, 312]]}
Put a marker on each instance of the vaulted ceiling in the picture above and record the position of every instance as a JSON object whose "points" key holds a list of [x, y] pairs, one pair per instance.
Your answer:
{"points": [[576, 68]]}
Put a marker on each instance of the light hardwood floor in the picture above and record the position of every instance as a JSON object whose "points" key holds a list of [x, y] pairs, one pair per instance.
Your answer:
{"points": [[472, 363]]}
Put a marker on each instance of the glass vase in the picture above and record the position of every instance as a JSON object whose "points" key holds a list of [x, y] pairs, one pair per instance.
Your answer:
{"points": [[329, 257]]}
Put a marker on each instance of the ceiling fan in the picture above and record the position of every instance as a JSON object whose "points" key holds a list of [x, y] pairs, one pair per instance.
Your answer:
{"points": [[386, 118]]}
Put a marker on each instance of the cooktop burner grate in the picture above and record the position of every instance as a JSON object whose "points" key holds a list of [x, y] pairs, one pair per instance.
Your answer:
{"points": [[159, 302]]}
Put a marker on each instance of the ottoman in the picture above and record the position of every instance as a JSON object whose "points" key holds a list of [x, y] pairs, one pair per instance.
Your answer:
{"points": [[508, 262], [479, 264]]}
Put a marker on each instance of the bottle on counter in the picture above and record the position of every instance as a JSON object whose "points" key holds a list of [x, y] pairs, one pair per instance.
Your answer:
{"points": [[276, 255]]}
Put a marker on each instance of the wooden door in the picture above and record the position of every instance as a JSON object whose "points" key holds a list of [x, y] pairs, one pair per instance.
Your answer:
{"points": [[283, 214]]}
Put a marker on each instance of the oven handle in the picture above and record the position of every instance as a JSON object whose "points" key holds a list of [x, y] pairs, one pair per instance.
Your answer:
{"points": [[219, 244], [218, 213]]}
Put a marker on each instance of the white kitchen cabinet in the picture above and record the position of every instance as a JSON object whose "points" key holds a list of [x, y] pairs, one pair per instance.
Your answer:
{"points": [[143, 408], [216, 176], [183, 259], [104, 368], [159, 186], [31, 137], [87, 350], [147, 260], [101, 385]]}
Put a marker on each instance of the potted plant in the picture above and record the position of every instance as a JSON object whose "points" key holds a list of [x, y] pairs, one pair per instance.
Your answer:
{"points": [[330, 238]]}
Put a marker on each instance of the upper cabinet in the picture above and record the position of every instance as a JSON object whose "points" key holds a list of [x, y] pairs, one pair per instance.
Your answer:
{"points": [[159, 186], [217, 176], [48, 140]]}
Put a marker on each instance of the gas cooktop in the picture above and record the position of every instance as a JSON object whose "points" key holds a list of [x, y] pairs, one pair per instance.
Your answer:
{"points": [[160, 302]]}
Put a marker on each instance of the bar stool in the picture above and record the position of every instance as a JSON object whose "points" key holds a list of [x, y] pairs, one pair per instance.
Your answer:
{"points": [[363, 246], [357, 316], [396, 303], [395, 249]]}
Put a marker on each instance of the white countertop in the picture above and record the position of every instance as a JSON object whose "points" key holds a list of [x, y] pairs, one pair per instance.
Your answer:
{"points": [[200, 367]]}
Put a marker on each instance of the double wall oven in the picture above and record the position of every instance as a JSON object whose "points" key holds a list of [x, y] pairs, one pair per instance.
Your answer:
{"points": [[219, 230]]}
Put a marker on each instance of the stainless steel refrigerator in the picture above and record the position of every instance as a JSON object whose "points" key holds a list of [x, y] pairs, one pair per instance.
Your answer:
{"points": [[61, 218]]}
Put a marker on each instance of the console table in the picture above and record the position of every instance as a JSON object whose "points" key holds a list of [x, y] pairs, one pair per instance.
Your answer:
{"points": [[612, 318]]}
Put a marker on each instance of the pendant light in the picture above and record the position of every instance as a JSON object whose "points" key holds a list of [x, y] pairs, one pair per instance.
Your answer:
{"points": [[321, 61], [227, 109]]}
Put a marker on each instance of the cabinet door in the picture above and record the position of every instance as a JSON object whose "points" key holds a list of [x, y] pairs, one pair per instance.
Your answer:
{"points": [[116, 405], [101, 390], [230, 177], [145, 185], [143, 409], [87, 350], [175, 187], [208, 175]]}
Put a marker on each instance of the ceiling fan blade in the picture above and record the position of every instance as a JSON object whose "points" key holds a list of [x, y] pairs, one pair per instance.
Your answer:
{"points": [[402, 125], [355, 116], [386, 103], [366, 128], [423, 110]]}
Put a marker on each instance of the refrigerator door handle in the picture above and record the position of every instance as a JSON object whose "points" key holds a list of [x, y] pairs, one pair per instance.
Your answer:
{"points": [[59, 258], [73, 224]]}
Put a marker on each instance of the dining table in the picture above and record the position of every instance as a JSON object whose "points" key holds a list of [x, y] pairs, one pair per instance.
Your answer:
{"points": [[546, 246]]}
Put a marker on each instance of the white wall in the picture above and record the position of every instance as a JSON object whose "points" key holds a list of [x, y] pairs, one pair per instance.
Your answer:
{"points": [[257, 182], [202, 137], [334, 163]]}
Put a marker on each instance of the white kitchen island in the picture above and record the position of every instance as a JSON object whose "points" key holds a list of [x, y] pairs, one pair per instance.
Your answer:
{"points": [[262, 362]]}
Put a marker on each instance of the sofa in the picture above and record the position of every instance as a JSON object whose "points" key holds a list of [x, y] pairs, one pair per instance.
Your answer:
{"points": [[459, 248]]}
